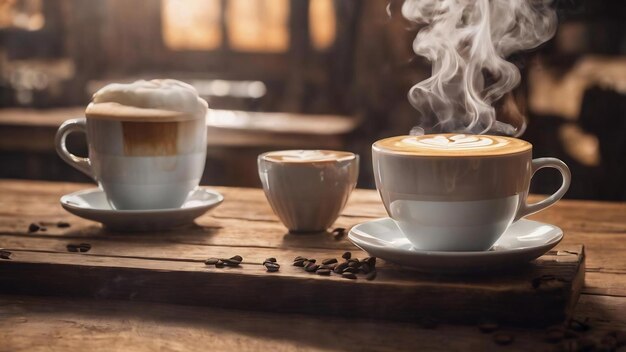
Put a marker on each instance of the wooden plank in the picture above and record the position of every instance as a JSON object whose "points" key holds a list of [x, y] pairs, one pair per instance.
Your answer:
{"points": [[36, 323], [415, 296]]}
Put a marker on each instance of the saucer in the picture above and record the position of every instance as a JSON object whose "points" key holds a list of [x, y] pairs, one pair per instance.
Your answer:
{"points": [[522, 242], [91, 204]]}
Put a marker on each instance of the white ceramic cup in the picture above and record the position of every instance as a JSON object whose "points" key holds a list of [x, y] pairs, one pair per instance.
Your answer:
{"points": [[462, 200], [306, 190], [140, 164]]}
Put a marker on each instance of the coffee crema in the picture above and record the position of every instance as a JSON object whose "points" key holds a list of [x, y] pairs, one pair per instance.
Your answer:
{"points": [[307, 156], [147, 101], [451, 144]]}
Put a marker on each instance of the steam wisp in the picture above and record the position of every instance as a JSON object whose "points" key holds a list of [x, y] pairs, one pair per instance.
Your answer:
{"points": [[467, 42]]}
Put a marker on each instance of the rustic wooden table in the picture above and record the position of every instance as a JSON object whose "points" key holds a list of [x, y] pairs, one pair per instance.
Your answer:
{"points": [[245, 225]]}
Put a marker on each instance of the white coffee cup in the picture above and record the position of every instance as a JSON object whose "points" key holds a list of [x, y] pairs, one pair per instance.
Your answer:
{"points": [[454, 192], [142, 157], [307, 189]]}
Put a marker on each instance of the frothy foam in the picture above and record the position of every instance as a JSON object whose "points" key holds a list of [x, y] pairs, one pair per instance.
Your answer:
{"points": [[159, 99], [453, 144], [303, 156]]}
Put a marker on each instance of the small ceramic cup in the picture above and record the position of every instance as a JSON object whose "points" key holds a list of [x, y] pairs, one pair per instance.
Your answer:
{"points": [[307, 189]]}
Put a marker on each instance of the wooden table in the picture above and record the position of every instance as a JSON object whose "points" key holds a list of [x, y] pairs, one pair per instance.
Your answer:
{"points": [[33, 323]]}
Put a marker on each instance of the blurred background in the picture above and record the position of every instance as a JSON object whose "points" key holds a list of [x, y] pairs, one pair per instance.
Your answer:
{"points": [[284, 74]]}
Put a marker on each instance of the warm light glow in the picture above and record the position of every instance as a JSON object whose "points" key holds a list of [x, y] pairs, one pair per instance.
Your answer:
{"points": [[258, 25], [23, 14], [323, 23], [191, 24]]}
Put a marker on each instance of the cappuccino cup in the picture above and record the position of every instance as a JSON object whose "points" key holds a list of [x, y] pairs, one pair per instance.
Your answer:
{"points": [[456, 192], [147, 143], [307, 189]]}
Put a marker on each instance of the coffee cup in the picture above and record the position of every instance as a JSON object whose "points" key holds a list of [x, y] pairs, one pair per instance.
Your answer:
{"points": [[456, 192], [307, 189], [147, 143]]}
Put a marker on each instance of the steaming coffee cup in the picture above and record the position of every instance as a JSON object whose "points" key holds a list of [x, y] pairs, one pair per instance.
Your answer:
{"points": [[147, 143], [307, 189], [455, 192]]}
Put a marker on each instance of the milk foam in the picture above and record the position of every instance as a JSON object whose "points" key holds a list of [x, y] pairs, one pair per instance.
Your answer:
{"points": [[307, 155], [455, 142], [161, 97]]}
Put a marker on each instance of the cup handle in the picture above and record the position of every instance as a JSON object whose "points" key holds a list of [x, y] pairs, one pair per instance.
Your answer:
{"points": [[527, 209], [74, 125]]}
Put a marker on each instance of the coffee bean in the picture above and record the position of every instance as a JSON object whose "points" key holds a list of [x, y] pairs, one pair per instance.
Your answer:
{"points": [[502, 338], [371, 261], [72, 248], [271, 266], [4, 254], [311, 267], [339, 233], [329, 261], [488, 327], [211, 261], [365, 268], [84, 247], [340, 267], [220, 264], [350, 276], [354, 265], [299, 258], [350, 270], [231, 262], [272, 260], [299, 263], [325, 266], [347, 255], [371, 276], [237, 258], [63, 224], [325, 272], [33, 227]]}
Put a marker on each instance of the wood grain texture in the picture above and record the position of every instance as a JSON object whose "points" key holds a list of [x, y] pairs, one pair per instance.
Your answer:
{"points": [[601, 227]]}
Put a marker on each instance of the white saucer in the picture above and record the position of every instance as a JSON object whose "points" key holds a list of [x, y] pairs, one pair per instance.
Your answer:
{"points": [[522, 242], [91, 204]]}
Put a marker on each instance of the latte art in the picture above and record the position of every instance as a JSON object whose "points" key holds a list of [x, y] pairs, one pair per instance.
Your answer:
{"points": [[459, 141], [453, 145], [303, 156]]}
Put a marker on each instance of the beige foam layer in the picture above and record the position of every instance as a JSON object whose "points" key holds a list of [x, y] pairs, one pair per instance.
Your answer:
{"points": [[287, 156], [396, 145], [118, 112]]}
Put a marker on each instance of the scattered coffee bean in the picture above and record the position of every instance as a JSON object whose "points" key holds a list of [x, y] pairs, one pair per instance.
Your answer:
{"points": [[346, 255], [220, 264], [237, 258], [329, 261], [63, 224], [502, 338], [350, 276], [299, 258], [371, 261], [325, 266], [33, 227], [332, 266], [350, 270], [211, 261], [371, 276], [4, 254], [354, 265], [340, 267], [312, 267], [299, 263], [272, 260], [365, 268], [72, 248], [84, 247], [339, 233], [325, 272], [231, 262], [271, 266], [488, 327]]}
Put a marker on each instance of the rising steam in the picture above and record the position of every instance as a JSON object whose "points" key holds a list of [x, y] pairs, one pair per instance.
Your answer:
{"points": [[467, 42]]}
